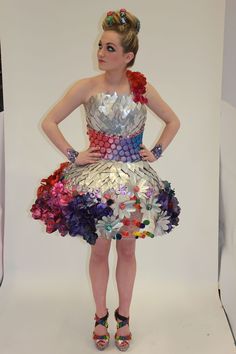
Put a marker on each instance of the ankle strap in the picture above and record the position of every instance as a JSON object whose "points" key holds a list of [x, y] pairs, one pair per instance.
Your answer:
{"points": [[125, 320], [102, 320]]}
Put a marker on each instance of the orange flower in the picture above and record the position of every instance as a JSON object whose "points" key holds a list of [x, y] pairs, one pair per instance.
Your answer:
{"points": [[125, 233]]}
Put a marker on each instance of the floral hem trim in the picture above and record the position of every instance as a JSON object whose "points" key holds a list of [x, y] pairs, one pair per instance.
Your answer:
{"points": [[93, 215]]}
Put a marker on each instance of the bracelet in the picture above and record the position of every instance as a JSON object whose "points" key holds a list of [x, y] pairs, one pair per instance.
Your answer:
{"points": [[71, 154], [157, 151]]}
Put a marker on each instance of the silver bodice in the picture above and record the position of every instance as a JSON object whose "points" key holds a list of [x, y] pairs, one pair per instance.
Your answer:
{"points": [[115, 114]]}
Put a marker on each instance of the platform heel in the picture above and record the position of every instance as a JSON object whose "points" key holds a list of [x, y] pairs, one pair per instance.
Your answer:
{"points": [[101, 341], [122, 342]]}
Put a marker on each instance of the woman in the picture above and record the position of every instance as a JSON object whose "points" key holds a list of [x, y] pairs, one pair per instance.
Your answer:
{"points": [[110, 191]]}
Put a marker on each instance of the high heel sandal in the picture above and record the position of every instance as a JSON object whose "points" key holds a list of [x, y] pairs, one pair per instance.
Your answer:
{"points": [[101, 341], [122, 342]]}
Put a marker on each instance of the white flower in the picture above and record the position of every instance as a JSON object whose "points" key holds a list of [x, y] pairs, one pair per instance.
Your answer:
{"points": [[137, 187], [107, 225], [150, 207], [162, 224], [123, 206]]}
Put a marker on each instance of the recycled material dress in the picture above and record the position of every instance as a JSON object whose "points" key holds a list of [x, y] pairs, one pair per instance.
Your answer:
{"points": [[120, 196]]}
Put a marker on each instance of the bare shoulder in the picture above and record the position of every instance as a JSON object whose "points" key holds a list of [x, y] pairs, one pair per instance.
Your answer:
{"points": [[80, 89], [84, 88], [151, 92]]}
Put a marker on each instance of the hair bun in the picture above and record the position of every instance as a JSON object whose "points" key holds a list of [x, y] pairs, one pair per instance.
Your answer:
{"points": [[123, 20]]}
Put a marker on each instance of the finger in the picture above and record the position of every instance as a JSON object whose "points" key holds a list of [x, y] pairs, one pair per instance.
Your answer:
{"points": [[94, 148], [96, 154], [95, 158]]}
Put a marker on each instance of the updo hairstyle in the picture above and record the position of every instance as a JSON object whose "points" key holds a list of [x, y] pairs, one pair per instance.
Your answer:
{"points": [[127, 26]]}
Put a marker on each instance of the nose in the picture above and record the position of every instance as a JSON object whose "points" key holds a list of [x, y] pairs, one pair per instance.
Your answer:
{"points": [[100, 52]]}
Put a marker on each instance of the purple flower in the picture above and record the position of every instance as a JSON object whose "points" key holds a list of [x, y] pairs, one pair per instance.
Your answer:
{"points": [[81, 215], [169, 204], [101, 209]]}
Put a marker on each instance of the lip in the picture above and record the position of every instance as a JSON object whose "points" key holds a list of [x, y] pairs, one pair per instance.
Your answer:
{"points": [[101, 61]]}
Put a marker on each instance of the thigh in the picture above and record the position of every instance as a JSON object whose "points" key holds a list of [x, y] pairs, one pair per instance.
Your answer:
{"points": [[126, 247]]}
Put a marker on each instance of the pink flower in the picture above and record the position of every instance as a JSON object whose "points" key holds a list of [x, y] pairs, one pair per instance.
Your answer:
{"points": [[57, 188], [47, 183], [65, 199], [36, 212]]}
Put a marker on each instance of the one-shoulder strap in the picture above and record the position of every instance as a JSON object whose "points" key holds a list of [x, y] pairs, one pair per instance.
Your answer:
{"points": [[137, 82]]}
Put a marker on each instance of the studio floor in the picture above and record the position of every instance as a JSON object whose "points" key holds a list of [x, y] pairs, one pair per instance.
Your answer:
{"points": [[57, 317]]}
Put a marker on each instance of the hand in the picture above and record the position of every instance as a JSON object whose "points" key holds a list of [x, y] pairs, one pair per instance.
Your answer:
{"points": [[88, 156], [147, 154]]}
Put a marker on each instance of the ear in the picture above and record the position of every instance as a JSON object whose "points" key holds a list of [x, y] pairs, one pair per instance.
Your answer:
{"points": [[129, 57]]}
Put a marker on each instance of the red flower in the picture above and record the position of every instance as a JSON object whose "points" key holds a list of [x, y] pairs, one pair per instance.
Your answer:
{"points": [[126, 221], [137, 84], [47, 183], [50, 226]]}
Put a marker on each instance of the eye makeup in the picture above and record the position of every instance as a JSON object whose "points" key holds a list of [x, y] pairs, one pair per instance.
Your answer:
{"points": [[109, 47]]}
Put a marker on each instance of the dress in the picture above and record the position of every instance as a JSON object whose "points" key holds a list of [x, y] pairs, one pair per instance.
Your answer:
{"points": [[120, 196]]}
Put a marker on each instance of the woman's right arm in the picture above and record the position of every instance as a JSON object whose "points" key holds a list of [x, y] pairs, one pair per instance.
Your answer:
{"points": [[73, 98]]}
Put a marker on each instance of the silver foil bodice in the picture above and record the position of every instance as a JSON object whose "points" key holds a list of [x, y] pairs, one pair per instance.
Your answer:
{"points": [[115, 114], [114, 123]]}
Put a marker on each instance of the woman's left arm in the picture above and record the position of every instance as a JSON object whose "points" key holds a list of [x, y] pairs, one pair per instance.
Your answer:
{"points": [[160, 108]]}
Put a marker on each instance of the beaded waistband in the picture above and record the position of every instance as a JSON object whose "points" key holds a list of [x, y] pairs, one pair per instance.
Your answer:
{"points": [[115, 147]]}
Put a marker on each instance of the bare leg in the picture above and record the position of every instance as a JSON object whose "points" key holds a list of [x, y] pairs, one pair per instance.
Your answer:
{"points": [[99, 274], [125, 276]]}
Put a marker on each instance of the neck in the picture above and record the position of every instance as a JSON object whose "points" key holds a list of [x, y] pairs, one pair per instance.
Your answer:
{"points": [[115, 78]]}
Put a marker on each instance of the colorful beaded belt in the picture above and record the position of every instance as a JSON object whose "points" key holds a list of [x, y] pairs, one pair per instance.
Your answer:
{"points": [[115, 147]]}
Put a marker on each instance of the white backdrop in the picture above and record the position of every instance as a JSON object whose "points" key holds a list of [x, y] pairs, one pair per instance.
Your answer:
{"points": [[227, 235], [2, 192], [47, 46]]}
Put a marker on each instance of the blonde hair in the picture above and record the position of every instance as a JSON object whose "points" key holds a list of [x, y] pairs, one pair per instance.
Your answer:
{"points": [[128, 31]]}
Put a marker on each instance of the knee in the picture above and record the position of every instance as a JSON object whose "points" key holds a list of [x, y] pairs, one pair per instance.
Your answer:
{"points": [[100, 255], [126, 252]]}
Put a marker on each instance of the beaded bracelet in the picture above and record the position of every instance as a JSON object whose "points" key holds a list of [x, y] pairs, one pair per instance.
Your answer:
{"points": [[157, 151], [72, 154]]}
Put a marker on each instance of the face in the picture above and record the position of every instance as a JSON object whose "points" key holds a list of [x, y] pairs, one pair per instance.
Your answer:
{"points": [[110, 52]]}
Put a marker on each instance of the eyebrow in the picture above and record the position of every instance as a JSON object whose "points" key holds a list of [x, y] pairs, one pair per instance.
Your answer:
{"points": [[109, 43]]}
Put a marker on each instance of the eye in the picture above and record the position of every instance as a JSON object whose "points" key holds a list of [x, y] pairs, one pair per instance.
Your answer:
{"points": [[110, 48]]}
